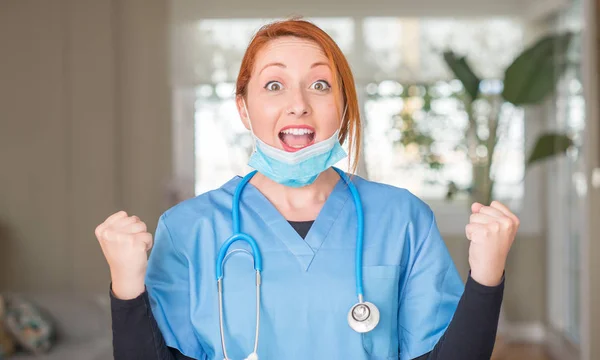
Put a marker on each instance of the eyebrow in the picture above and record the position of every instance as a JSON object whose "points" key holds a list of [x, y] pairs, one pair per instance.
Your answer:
{"points": [[319, 64], [281, 65], [272, 64]]}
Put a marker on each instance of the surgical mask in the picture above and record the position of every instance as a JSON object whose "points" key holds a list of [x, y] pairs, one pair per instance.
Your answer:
{"points": [[295, 169]]}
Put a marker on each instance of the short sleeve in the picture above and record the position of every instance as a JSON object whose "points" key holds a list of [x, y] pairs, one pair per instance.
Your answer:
{"points": [[431, 291], [167, 282]]}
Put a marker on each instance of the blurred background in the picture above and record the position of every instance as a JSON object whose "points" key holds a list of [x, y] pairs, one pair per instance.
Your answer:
{"points": [[129, 104]]}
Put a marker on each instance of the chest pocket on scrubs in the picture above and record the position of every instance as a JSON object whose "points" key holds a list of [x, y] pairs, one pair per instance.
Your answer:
{"points": [[381, 288]]}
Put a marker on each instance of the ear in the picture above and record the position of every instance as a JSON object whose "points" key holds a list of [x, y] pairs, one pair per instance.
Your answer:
{"points": [[239, 101]]}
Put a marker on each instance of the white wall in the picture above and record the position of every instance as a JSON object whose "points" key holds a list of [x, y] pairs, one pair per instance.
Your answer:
{"points": [[590, 249], [85, 131]]}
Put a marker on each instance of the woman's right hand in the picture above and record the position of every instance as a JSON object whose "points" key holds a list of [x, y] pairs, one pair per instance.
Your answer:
{"points": [[125, 242]]}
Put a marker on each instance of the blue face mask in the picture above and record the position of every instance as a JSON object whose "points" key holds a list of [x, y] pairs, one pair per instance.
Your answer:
{"points": [[295, 169]]}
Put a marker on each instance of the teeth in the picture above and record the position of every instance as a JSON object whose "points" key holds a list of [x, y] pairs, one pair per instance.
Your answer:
{"points": [[296, 131]]}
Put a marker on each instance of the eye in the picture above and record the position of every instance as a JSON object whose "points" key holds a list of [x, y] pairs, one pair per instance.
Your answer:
{"points": [[320, 85], [273, 86]]}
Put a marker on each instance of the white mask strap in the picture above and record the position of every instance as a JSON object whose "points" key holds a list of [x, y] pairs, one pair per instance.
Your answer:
{"points": [[250, 123], [343, 116]]}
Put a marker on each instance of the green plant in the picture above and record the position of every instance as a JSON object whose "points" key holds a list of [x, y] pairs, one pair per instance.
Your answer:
{"points": [[530, 78]]}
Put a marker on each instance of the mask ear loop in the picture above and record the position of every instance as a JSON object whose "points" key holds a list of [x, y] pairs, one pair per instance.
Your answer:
{"points": [[250, 123], [342, 124], [343, 116]]}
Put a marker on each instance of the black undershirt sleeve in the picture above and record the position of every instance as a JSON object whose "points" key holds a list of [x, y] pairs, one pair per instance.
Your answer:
{"points": [[471, 334]]}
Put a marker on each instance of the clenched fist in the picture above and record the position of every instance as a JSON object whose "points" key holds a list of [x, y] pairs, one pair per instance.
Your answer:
{"points": [[492, 231], [125, 242]]}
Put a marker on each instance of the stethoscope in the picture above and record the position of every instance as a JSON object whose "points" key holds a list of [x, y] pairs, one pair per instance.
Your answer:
{"points": [[362, 317]]}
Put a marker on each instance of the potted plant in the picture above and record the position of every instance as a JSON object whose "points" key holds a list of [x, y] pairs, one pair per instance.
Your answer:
{"points": [[530, 78]]}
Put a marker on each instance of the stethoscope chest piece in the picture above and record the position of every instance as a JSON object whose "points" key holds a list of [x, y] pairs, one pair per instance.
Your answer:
{"points": [[363, 317]]}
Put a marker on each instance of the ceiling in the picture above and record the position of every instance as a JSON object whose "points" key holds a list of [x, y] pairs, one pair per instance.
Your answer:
{"points": [[191, 10]]}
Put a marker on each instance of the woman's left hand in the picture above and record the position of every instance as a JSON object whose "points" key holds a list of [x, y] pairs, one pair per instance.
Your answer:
{"points": [[492, 231]]}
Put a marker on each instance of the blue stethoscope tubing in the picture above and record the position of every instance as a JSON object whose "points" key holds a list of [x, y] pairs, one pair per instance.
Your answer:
{"points": [[363, 316], [237, 235]]}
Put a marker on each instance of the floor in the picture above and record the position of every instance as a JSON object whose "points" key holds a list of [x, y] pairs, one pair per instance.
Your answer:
{"points": [[521, 352]]}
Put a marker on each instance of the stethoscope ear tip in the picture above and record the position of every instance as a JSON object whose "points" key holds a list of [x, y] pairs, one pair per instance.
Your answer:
{"points": [[253, 356]]}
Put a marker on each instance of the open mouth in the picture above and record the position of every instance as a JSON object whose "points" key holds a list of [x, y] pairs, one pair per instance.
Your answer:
{"points": [[294, 138]]}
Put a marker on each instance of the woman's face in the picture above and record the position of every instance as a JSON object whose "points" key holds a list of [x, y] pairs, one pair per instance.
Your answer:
{"points": [[290, 99]]}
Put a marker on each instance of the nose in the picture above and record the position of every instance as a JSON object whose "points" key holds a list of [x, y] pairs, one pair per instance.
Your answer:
{"points": [[298, 105]]}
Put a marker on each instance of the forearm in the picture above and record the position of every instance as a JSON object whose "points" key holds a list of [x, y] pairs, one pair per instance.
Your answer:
{"points": [[135, 332], [471, 334]]}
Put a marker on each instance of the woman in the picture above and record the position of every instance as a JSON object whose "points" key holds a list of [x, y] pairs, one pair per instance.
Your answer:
{"points": [[296, 93]]}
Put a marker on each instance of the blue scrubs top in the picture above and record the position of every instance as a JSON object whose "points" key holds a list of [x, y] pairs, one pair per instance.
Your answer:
{"points": [[308, 284]]}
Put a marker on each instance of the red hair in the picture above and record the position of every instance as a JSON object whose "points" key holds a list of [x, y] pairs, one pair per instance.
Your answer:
{"points": [[342, 77]]}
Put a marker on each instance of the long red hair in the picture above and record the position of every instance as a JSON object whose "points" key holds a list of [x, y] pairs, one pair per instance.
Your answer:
{"points": [[343, 78]]}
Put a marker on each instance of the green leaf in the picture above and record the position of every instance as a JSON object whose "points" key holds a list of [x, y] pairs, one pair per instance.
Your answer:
{"points": [[534, 73], [463, 72], [549, 145]]}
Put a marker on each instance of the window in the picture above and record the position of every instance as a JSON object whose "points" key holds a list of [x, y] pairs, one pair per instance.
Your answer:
{"points": [[397, 75], [414, 138], [567, 185]]}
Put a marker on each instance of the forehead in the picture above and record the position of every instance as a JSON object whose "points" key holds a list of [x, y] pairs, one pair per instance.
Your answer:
{"points": [[290, 51]]}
